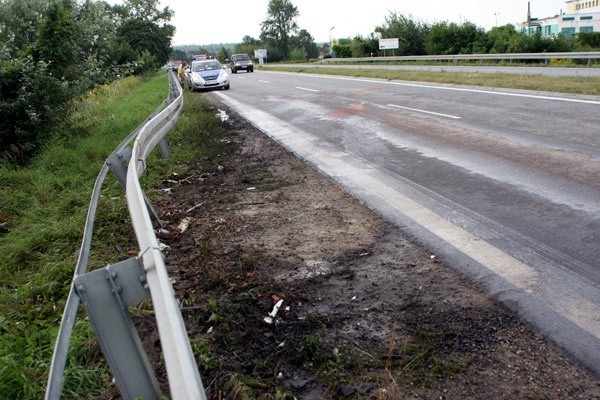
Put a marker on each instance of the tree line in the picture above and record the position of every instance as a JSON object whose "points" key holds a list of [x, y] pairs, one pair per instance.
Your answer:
{"points": [[52, 51], [285, 41], [445, 38]]}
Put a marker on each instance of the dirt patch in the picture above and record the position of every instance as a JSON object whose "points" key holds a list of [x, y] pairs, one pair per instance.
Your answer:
{"points": [[365, 311]]}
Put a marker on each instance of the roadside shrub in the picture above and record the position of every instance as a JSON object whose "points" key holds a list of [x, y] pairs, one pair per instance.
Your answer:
{"points": [[32, 102]]}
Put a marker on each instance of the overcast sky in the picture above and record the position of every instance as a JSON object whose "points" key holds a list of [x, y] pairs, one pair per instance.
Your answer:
{"points": [[228, 21]]}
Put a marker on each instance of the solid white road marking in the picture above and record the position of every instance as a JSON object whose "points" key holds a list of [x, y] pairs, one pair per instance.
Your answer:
{"points": [[578, 310], [260, 80], [424, 111]]}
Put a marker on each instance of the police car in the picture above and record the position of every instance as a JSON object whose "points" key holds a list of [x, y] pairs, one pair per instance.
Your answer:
{"points": [[207, 74]]}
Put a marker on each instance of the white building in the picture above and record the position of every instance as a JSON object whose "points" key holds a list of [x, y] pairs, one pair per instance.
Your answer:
{"points": [[580, 16]]}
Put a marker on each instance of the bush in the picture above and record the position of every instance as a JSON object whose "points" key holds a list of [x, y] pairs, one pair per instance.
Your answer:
{"points": [[32, 102]]}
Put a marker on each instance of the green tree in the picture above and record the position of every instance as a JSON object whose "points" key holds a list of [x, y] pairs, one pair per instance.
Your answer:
{"points": [[306, 43], [589, 39], [499, 39], [146, 36], [248, 45], [343, 48], [412, 35], [451, 38], [223, 54], [179, 55], [146, 30], [364, 47], [58, 41], [19, 24], [278, 27], [97, 43]]}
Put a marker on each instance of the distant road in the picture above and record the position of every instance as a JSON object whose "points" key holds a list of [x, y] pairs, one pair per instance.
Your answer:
{"points": [[548, 71], [502, 184]]}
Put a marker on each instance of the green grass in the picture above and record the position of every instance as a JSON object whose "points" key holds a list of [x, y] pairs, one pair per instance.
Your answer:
{"points": [[43, 207], [573, 85]]}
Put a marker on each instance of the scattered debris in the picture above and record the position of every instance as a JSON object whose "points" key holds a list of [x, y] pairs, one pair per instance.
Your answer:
{"points": [[194, 208], [271, 317], [223, 115], [184, 224]]}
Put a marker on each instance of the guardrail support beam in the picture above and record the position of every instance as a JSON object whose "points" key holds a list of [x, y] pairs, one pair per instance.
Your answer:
{"points": [[106, 293], [118, 164]]}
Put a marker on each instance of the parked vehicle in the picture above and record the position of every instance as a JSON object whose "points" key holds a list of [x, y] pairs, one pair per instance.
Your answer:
{"points": [[207, 74], [241, 62]]}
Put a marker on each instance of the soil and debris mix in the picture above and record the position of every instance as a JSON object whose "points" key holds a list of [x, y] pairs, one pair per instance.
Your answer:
{"points": [[291, 288]]}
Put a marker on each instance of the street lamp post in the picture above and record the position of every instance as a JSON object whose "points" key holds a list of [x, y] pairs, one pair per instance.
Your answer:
{"points": [[496, 15], [330, 41]]}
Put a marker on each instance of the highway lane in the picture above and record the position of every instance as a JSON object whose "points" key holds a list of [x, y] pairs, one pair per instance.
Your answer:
{"points": [[502, 184], [485, 69]]}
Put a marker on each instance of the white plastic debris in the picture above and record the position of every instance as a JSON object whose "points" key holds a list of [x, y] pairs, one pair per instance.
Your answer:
{"points": [[184, 224], [223, 115], [270, 318]]}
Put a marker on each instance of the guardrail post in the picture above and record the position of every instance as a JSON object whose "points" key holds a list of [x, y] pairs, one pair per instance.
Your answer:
{"points": [[106, 293], [118, 164], [163, 148]]}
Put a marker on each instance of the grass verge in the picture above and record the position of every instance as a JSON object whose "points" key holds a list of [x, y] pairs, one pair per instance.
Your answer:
{"points": [[43, 208]]}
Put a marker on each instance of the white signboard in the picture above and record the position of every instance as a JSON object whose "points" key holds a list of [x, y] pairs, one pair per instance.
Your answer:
{"points": [[388, 44], [260, 53]]}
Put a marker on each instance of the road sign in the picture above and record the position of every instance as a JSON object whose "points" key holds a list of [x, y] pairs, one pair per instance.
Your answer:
{"points": [[388, 44]]}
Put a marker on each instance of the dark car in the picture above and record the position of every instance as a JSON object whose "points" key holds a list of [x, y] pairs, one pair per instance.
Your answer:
{"points": [[241, 62]]}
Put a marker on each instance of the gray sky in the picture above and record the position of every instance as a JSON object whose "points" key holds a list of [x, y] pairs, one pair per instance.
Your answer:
{"points": [[207, 22]]}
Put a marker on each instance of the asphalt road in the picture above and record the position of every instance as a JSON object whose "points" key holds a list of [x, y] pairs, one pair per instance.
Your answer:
{"points": [[486, 69], [502, 184]]}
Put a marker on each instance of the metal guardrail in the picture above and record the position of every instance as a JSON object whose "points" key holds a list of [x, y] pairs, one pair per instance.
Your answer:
{"points": [[184, 378], [458, 57]]}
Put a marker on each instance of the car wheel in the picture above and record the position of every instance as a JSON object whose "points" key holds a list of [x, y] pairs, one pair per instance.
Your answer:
{"points": [[226, 87], [251, 70]]}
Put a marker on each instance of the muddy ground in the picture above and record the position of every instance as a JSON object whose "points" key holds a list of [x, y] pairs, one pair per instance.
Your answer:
{"points": [[366, 311]]}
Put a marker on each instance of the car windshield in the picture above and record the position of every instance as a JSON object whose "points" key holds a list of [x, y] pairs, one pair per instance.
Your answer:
{"points": [[206, 66], [241, 57]]}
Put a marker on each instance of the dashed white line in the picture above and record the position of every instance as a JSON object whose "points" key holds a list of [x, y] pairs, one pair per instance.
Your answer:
{"points": [[451, 88], [303, 88], [424, 111], [260, 80]]}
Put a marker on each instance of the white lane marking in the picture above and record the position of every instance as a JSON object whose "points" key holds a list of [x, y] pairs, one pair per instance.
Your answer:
{"points": [[492, 92], [260, 80], [504, 265], [424, 111], [303, 88]]}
